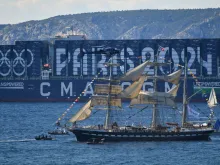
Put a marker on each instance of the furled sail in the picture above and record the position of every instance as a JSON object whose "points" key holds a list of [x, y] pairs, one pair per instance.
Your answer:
{"points": [[83, 113], [135, 73], [156, 98], [105, 89], [103, 101], [133, 90], [212, 102], [173, 77]]}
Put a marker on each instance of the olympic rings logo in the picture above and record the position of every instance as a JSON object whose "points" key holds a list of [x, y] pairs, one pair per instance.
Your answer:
{"points": [[18, 60]]}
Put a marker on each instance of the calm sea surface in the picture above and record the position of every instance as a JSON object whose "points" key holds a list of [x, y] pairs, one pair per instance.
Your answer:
{"points": [[21, 122]]}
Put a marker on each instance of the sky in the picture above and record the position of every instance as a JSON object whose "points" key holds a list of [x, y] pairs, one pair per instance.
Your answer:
{"points": [[17, 11]]}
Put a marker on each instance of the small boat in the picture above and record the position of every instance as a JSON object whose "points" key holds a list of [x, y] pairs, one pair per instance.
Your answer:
{"points": [[212, 103], [42, 137], [96, 141], [59, 132]]}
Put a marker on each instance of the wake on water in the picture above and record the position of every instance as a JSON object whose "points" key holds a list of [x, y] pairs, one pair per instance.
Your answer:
{"points": [[21, 140], [215, 138]]}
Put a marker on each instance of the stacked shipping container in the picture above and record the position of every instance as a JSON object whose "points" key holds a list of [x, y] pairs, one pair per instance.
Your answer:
{"points": [[75, 62]]}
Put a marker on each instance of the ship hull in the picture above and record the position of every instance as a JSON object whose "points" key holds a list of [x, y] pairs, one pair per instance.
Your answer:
{"points": [[42, 71], [83, 135]]}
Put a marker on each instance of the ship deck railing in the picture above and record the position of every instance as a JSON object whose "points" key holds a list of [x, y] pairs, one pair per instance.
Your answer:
{"points": [[130, 129], [140, 129]]}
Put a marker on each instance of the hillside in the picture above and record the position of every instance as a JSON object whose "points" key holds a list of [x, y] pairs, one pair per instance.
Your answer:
{"points": [[137, 24]]}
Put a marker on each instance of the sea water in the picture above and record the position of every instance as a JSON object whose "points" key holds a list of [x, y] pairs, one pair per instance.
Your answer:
{"points": [[21, 122]]}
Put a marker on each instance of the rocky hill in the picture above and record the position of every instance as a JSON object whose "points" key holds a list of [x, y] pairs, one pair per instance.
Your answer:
{"points": [[136, 24]]}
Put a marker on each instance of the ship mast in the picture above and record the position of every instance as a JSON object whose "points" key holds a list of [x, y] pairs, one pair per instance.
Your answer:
{"points": [[155, 110], [108, 112], [184, 88]]}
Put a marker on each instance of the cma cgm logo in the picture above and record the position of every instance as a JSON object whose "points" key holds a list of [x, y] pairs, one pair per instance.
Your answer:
{"points": [[147, 53], [66, 89], [15, 65]]}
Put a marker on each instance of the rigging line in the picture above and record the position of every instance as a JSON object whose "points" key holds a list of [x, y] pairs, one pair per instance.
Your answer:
{"points": [[173, 114], [76, 100], [137, 112], [201, 111], [197, 107], [193, 94], [179, 111], [162, 116], [192, 74], [94, 112]]}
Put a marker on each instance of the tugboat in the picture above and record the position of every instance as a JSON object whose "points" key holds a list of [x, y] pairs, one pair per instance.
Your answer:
{"points": [[43, 137], [108, 96]]}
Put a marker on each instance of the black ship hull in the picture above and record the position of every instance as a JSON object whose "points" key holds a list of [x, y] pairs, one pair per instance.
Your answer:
{"points": [[83, 135]]}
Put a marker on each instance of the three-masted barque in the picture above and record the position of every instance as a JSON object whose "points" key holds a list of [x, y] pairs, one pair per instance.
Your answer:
{"points": [[108, 96]]}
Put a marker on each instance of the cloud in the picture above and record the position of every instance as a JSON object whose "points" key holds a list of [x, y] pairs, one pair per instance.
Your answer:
{"points": [[24, 3], [81, 6], [68, 1], [24, 10]]}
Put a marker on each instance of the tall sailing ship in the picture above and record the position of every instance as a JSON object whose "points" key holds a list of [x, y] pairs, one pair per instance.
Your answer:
{"points": [[109, 96]]}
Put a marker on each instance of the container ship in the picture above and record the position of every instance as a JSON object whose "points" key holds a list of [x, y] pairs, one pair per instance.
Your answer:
{"points": [[62, 68]]}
